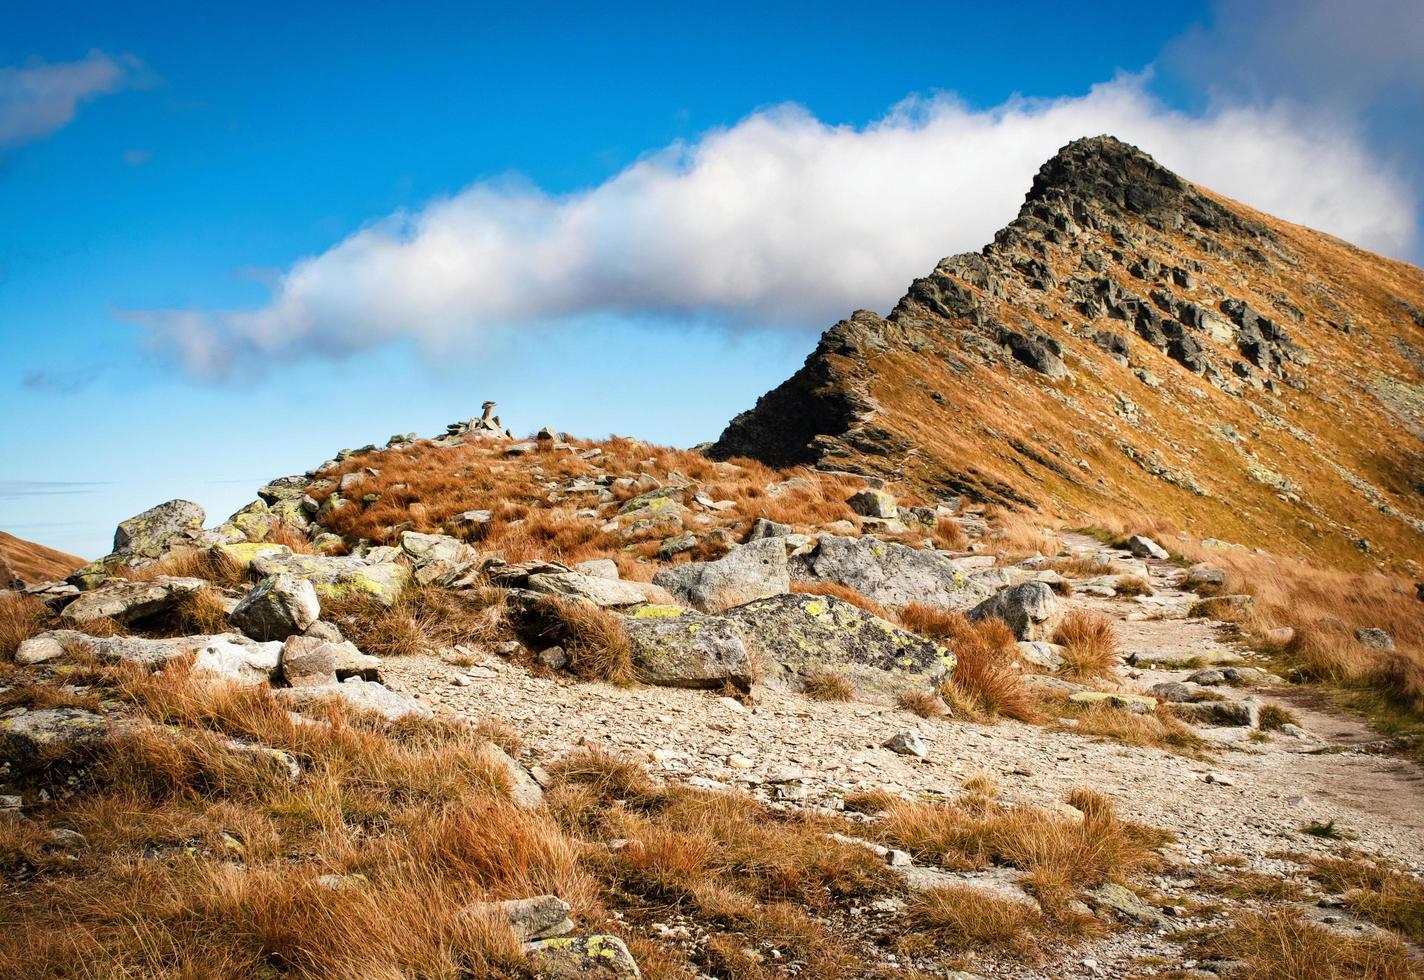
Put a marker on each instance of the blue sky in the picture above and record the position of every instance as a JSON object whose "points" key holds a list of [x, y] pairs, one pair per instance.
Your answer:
{"points": [[236, 240]]}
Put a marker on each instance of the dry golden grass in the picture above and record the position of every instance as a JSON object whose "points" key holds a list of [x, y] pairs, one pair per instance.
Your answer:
{"points": [[1079, 566], [1132, 585], [1089, 642], [1016, 536], [965, 918], [1158, 729], [843, 592], [21, 617], [1100, 847], [828, 685], [949, 536], [987, 680], [1283, 945], [423, 619], [205, 563], [595, 639], [926, 704], [1374, 890], [1273, 717]]}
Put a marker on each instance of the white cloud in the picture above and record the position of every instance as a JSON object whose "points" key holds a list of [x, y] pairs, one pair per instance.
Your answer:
{"points": [[40, 98], [780, 220]]}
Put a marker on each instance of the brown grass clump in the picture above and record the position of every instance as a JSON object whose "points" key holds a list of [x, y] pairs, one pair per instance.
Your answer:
{"points": [[1016, 536], [967, 918], [843, 592], [828, 685], [1274, 717], [21, 617], [1159, 729], [1375, 891], [949, 536], [987, 680], [1098, 848], [1132, 585], [423, 619], [1080, 566], [1284, 945], [204, 563], [595, 639], [926, 704], [1089, 642]]}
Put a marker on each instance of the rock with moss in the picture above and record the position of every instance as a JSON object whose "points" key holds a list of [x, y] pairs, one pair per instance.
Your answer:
{"points": [[750, 571], [889, 573], [32, 739], [606, 593], [662, 502], [575, 957], [241, 554], [796, 635], [1030, 610], [338, 577], [280, 606], [125, 602], [673, 646], [147, 537]]}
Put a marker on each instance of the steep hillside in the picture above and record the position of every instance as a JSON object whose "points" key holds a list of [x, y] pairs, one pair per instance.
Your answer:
{"points": [[1134, 343], [33, 562]]}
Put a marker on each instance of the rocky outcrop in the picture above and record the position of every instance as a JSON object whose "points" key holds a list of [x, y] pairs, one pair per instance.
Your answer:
{"points": [[890, 573], [796, 635], [337, 577], [750, 571]]}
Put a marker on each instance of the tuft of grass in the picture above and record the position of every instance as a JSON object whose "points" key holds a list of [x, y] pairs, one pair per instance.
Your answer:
{"points": [[1131, 585], [422, 619], [595, 639], [828, 685], [1374, 890], [1327, 830], [21, 617], [1273, 717], [1089, 642], [843, 592], [966, 918], [1282, 944], [926, 704], [987, 680], [1159, 729], [949, 536]]}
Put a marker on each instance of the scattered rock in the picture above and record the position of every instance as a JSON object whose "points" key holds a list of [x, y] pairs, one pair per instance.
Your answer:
{"points": [[307, 661], [540, 917], [606, 593], [751, 571], [336, 577], [875, 503], [1374, 638], [1029, 609], [1145, 547], [1137, 704], [359, 694], [280, 606], [1119, 900], [906, 743], [33, 739]]}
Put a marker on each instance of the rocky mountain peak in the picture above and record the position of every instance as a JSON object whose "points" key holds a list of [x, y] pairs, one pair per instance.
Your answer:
{"points": [[1128, 339]]}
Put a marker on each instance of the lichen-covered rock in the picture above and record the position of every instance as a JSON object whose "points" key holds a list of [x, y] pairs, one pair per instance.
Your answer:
{"points": [[763, 528], [874, 503], [661, 502], [359, 694], [32, 739], [751, 571], [574, 957], [338, 577], [1029, 609], [605, 593], [674, 646], [421, 548], [125, 602], [280, 606], [539, 917], [891, 574], [796, 634], [307, 661], [152, 534], [243, 553], [1203, 575], [1237, 714]]}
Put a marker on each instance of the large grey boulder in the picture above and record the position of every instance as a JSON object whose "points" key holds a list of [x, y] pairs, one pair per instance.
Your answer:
{"points": [[750, 571], [676, 647], [337, 577], [280, 606], [359, 694], [1029, 608], [606, 593], [229, 657], [125, 602], [889, 573], [795, 634], [158, 530]]}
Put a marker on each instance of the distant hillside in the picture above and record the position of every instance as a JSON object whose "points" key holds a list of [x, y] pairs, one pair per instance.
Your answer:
{"points": [[34, 562], [1132, 342]]}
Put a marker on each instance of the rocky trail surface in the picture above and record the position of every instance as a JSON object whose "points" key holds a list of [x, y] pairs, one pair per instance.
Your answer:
{"points": [[1241, 798]]}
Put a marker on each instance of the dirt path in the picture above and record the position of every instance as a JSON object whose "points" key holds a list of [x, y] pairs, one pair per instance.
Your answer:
{"points": [[1249, 798]]}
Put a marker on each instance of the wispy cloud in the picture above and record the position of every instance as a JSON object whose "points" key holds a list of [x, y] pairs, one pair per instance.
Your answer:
{"points": [[15, 489], [780, 220], [61, 381], [38, 98]]}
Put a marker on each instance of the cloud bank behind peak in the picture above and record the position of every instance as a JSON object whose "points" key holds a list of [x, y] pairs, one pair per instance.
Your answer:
{"points": [[781, 221]]}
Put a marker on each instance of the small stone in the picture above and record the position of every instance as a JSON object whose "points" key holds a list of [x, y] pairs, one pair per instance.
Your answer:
{"points": [[906, 743]]}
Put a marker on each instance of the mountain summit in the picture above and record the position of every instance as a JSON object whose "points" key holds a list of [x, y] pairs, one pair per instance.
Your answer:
{"points": [[1132, 341]]}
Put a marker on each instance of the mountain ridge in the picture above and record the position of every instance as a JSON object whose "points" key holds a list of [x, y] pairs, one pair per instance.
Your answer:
{"points": [[1155, 346]]}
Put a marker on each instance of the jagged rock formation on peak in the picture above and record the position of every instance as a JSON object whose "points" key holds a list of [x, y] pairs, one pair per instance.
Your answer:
{"points": [[1133, 342]]}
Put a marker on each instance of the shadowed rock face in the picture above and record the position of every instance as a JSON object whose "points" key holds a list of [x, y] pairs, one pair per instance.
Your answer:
{"points": [[1132, 341]]}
